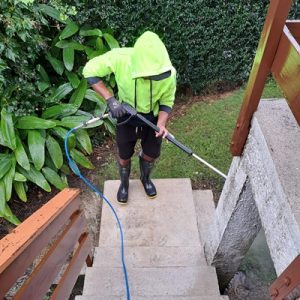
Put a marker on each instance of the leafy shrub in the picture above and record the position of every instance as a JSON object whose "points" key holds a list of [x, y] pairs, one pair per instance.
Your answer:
{"points": [[209, 41], [21, 42], [35, 119]]}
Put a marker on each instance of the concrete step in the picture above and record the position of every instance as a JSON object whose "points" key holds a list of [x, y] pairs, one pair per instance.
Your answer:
{"points": [[168, 220], [150, 257], [96, 297], [148, 282], [205, 211]]}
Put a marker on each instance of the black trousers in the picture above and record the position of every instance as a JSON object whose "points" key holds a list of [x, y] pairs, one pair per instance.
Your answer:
{"points": [[129, 133]]}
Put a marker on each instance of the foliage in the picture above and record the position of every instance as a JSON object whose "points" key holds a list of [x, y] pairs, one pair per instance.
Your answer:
{"points": [[210, 42], [43, 95], [21, 41]]}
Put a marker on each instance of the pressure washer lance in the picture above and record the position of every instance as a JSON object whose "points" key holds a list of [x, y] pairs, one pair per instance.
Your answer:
{"points": [[133, 113]]}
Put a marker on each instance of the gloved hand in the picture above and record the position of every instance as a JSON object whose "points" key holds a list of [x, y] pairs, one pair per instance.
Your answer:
{"points": [[115, 107]]}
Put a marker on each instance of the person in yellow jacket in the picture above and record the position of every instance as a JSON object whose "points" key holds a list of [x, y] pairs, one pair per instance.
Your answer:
{"points": [[146, 80]]}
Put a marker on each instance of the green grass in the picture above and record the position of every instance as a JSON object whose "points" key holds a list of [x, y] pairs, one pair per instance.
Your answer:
{"points": [[207, 129]]}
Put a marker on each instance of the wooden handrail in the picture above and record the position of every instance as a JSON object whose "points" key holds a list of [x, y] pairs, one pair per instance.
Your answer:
{"points": [[61, 222], [268, 44], [294, 28], [287, 282], [286, 70]]}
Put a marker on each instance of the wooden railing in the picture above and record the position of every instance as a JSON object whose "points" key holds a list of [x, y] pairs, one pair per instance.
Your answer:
{"points": [[59, 230], [278, 53], [287, 282]]}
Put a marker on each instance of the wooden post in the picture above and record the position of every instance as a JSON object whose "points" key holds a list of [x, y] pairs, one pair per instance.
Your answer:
{"points": [[269, 40]]}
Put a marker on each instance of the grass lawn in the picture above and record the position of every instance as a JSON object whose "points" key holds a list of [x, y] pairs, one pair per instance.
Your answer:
{"points": [[206, 127]]}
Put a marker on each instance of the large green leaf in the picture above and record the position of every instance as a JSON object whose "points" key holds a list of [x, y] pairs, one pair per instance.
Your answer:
{"points": [[2, 195], [20, 190], [8, 179], [65, 169], [79, 93], [100, 109], [73, 121], [54, 151], [67, 44], [32, 122], [109, 125], [43, 74], [2, 142], [8, 129], [61, 92], [36, 145], [93, 96], [7, 214], [90, 32], [111, 41], [19, 177], [100, 45], [49, 162], [69, 30], [73, 78], [62, 133], [81, 159], [68, 58], [36, 177], [64, 178], [84, 140], [56, 64], [59, 111], [52, 12], [21, 155], [42, 86], [54, 178], [5, 164]]}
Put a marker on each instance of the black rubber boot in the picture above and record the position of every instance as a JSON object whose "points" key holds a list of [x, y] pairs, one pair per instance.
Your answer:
{"points": [[146, 167], [124, 172]]}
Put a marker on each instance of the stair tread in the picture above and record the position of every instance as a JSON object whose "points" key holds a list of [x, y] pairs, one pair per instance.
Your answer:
{"points": [[162, 281], [203, 201], [150, 256], [198, 297], [163, 252], [168, 220]]}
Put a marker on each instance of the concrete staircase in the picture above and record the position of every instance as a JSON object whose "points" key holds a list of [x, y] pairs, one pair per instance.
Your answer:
{"points": [[163, 251]]}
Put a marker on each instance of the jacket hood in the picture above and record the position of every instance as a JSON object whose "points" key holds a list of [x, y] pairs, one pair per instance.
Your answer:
{"points": [[150, 56]]}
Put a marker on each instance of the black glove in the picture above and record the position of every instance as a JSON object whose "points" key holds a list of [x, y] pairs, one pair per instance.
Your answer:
{"points": [[115, 107]]}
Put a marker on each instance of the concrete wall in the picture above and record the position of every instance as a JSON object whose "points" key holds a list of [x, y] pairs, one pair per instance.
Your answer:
{"points": [[262, 189]]}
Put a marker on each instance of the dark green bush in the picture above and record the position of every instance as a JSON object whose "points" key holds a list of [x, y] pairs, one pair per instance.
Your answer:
{"points": [[43, 95], [21, 43], [209, 41]]}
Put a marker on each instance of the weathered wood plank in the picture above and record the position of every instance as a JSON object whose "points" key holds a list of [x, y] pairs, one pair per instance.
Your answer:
{"points": [[269, 40], [24, 244], [286, 70], [38, 283], [68, 280], [294, 28]]}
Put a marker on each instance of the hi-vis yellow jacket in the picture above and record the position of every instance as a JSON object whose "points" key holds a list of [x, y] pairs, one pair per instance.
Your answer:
{"points": [[132, 68]]}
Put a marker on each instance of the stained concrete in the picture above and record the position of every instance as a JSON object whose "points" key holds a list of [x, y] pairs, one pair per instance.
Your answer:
{"points": [[156, 257], [94, 297], [163, 252], [169, 220], [270, 168]]}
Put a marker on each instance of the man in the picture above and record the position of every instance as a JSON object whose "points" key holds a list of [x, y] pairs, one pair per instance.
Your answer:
{"points": [[146, 80]]}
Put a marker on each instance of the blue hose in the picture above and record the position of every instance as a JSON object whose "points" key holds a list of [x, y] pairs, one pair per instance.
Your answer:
{"points": [[75, 169]]}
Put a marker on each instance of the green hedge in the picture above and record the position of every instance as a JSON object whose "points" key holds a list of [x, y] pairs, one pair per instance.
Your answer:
{"points": [[210, 42]]}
